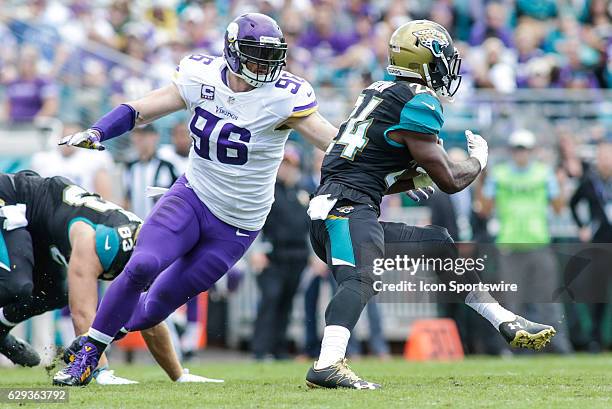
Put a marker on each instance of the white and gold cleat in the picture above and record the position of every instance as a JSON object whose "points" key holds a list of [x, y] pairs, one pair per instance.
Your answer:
{"points": [[522, 333], [338, 375]]}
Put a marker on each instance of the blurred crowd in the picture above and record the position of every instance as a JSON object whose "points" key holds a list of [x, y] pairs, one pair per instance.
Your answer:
{"points": [[76, 59], [92, 54]]}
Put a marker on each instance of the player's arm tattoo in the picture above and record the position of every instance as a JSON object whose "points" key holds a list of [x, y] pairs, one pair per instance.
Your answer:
{"points": [[449, 176], [464, 172]]}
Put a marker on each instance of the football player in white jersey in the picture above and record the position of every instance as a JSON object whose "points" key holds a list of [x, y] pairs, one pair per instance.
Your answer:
{"points": [[243, 107]]}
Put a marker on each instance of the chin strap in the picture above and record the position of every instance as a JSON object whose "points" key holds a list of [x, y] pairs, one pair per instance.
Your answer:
{"points": [[428, 77]]}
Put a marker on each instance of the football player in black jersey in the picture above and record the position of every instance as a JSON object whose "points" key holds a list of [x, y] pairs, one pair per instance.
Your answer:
{"points": [[390, 144], [56, 241]]}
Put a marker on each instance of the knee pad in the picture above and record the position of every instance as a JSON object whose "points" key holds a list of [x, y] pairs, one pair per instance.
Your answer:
{"points": [[142, 268], [363, 286], [349, 301]]}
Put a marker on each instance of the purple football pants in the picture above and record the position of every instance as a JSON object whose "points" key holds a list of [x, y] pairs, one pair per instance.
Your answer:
{"points": [[192, 310], [182, 249]]}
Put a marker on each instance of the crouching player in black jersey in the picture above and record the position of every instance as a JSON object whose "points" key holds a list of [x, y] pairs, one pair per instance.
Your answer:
{"points": [[392, 131], [56, 241]]}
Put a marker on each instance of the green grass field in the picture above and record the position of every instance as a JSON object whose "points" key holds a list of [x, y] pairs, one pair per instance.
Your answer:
{"points": [[583, 381]]}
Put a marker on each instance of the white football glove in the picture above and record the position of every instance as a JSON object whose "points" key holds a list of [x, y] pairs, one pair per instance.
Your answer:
{"points": [[88, 139], [107, 377], [477, 148], [186, 377]]}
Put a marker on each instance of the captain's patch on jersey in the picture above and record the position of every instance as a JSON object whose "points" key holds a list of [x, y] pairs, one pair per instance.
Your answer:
{"points": [[208, 92]]}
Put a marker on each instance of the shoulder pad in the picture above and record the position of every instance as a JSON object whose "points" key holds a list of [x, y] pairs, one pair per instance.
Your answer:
{"points": [[191, 73], [304, 100], [422, 112]]}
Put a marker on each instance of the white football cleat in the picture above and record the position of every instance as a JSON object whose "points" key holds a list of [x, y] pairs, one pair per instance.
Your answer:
{"points": [[187, 377], [108, 377]]}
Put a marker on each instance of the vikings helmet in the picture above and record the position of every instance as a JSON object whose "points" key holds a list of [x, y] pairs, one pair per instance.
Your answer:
{"points": [[255, 49], [424, 50]]}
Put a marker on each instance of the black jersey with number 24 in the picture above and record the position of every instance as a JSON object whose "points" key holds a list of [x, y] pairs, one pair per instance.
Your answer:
{"points": [[363, 161]]}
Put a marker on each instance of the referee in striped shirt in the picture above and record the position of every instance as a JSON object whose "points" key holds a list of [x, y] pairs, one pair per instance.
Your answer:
{"points": [[147, 170]]}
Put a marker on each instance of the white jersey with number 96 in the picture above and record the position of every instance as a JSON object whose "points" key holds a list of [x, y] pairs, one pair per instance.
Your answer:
{"points": [[238, 138]]}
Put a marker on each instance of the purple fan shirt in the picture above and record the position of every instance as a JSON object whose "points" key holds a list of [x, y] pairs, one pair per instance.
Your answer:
{"points": [[338, 42], [480, 32], [26, 97]]}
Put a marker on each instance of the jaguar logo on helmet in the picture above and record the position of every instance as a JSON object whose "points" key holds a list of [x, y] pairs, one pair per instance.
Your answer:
{"points": [[432, 39], [422, 50]]}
